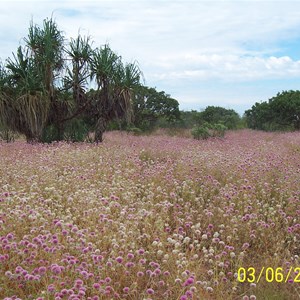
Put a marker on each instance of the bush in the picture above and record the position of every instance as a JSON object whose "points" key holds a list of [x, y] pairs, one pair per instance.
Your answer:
{"points": [[76, 131], [218, 130], [200, 133], [208, 130], [50, 134]]}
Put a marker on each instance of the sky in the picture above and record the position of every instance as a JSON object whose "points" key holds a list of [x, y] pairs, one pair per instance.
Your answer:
{"points": [[222, 53]]}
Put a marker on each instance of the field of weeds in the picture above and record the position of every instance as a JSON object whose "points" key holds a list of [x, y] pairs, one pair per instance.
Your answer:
{"points": [[151, 217]]}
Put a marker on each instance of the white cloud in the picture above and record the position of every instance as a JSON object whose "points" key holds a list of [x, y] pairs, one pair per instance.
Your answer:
{"points": [[178, 44], [226, 67]]}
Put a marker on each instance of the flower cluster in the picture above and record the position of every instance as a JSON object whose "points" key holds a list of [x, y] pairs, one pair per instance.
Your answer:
{"points": [[151, 217]]}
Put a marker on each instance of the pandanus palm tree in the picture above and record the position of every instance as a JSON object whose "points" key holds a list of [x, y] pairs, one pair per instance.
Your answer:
{"points": [[71, 101], [24, 102], [32, 100], [29, 93], [79, 52], [47, 49], [46, 45], [115, 85]]}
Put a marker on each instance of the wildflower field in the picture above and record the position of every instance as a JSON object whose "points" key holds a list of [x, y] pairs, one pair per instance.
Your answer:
{"points": [[151, 217]]}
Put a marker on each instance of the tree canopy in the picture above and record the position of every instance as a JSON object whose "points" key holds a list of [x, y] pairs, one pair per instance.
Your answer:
{"points": [[281, 112], [217, 114], [151, 106]]}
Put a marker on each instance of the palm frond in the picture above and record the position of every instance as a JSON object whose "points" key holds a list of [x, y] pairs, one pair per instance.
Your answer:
{"points": [[80, 49], [103, 65], [24, 73], [33, 111], [80, 53]]}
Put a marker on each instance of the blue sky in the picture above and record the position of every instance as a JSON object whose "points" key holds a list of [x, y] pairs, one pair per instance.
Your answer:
{"points": [[226, 53]]}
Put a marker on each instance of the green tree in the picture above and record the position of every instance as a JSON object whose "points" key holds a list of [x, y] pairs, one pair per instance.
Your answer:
{"points": [[115, 88], [285, 108], [24, 102], [188, 119], [259, 116], [29, 89], [217, 114], [71, 101], [150, 106], [281, 112]]}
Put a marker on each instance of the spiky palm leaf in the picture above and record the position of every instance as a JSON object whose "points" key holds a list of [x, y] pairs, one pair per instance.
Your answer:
{"points": [[33, 111], [46, 45], [24, 75], [79, 52], [103, 66], [115, 85], [25, 104], [128, 78]]}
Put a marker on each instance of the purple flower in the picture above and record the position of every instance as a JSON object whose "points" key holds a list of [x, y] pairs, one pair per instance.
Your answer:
{"points": [[150, 291], [119, 259], [189, 281], [96, 286], [140, 274]]}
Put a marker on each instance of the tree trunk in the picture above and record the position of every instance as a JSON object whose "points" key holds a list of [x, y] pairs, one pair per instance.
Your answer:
{"points": [[297, 123], [99, 129], [60, 131]]}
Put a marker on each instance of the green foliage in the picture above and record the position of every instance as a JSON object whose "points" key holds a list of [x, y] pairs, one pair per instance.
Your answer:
{"points": [[188, 119], [206, 130], [281, 112], [116, 83], [152, 108], [134, 130], [212, 115], [200, 133], [219, 115], [218, 130], [50, 134], [76, 131]]}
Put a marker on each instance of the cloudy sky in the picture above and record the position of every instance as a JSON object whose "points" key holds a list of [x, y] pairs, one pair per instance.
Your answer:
{"points": [[226, 53]]}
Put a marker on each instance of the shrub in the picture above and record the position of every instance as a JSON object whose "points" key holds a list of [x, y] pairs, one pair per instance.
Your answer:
{"points": [[200, 133], [76, 131], [208, 130], [218, 130]]}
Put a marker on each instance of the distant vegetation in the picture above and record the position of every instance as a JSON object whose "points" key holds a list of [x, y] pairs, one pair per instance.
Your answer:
{"points": [[281, 112], [153, 109], [214, 121]]}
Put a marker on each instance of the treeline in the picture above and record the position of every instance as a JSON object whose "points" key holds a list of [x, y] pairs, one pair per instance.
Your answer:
{"points": [[281, 112], [155, 109]]}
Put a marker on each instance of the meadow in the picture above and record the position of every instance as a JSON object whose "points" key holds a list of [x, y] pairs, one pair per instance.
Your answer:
{"points": [[151, 217]]}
